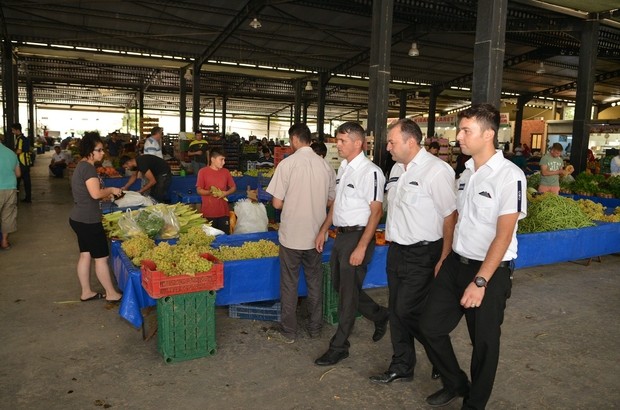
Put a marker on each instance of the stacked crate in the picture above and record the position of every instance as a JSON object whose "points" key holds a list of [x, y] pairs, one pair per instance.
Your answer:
{"points": [[266, 311], [330, 297], [186, 326]]}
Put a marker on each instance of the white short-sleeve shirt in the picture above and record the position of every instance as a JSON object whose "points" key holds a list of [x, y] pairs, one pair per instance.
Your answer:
{"points": [[496, 188], [358, 183], [419, 198], [152, 147]]}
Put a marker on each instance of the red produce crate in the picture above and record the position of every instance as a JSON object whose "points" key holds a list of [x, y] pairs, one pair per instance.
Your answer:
{"points": [[158, 285]]}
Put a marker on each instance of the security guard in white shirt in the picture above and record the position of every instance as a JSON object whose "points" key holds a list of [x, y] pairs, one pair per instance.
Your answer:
{"points": [[475, 280], [356, 211], [421, 211]]}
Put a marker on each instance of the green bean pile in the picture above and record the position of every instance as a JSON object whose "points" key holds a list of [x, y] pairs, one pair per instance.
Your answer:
{"points": [[550, 212]]}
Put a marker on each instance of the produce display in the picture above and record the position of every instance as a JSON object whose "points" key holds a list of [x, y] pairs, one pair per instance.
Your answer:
{"points": [[108, 172], [249, 250], [550, 212], [137, 246], [265, 172], [596, 211], [586, 184], [186, 216], [174, 260]]}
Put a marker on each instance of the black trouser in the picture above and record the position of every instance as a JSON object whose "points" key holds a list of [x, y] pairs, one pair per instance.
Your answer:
{"points": [[443, 313], [58, 170], [222, 223], [159, 191], [348, 280], [290, 262], [27, 184], [410, 272]]}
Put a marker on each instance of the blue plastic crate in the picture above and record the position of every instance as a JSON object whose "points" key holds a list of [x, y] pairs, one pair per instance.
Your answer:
{"points": [[266, 311]]}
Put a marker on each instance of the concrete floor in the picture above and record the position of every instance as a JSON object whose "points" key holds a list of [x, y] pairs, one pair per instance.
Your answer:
{"points": [[559, 345]]}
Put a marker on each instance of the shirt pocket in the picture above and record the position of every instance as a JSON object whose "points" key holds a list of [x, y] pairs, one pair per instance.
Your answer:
{"points": [[485, 208], [411, 195]]}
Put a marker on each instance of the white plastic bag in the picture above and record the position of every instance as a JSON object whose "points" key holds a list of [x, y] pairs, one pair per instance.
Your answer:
{"points": [[251, 217], [132, 198], [209, 230]]}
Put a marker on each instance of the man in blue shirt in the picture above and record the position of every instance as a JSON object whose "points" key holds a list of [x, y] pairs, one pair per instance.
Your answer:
{"points": [[9, 172]]}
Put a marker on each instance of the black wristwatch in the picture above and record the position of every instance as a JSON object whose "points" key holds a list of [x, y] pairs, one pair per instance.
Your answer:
{"points": [[480, 282]]}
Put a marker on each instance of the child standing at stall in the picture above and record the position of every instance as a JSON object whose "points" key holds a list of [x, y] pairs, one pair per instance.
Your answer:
{"points": [[214, 184]]}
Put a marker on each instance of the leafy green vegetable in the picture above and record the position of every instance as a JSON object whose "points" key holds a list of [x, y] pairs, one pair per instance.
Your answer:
{"points": [[150, 222]]}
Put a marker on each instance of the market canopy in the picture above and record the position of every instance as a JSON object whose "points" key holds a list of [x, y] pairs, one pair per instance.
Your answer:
{"points": [[102, 54]]}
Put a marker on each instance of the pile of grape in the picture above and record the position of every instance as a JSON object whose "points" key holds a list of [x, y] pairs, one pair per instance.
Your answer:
{"points": [[174, 260], [596, 211], [136, 246], [249, 250]]}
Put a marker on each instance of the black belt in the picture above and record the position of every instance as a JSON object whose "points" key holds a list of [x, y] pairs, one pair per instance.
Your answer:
{"points": [[466, 261], [418, 244], [346, 229]]}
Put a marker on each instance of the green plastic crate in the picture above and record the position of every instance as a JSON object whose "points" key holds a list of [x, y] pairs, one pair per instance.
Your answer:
{"points": [[186, 326], [330, 298]]}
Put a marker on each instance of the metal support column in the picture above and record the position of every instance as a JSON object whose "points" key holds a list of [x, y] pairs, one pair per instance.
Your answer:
{"points": [[141, 107], [320, 106], [379, 73], [10, 91], [432, 110], [32, 130], [585, 90], [268, 128], [298, 102], [224, 113], [521, 101], [402, 108], [489, 51], [182, 99], [196, 97]]}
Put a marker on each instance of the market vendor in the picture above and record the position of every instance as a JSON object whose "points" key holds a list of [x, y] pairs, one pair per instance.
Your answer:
{"points": [[214, 184], [58, 163], [198, 151], [154, 170]]}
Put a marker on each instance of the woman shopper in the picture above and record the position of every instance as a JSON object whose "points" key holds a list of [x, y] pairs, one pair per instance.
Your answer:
{"points": [[85, 220]]}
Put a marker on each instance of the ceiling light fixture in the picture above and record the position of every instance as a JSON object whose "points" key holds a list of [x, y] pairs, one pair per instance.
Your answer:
{"points": [[413, 51], [255, 24], [541, 68], [309, 86], [188, 75]]}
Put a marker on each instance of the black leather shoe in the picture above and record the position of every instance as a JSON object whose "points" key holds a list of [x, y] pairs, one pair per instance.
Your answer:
{"points": [[435, 374], [389, 377], [441, 398], [380, 329], [331, 357]]}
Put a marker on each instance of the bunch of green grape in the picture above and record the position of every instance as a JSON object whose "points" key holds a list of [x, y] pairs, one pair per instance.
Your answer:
{"points": [[163, 256], [136, 246], [249, 250], [595, 211], [189, 262], [197, 237]]}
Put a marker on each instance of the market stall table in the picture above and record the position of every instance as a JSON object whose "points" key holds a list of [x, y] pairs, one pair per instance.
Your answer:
{"points": [[245, 281], [257, 280]]}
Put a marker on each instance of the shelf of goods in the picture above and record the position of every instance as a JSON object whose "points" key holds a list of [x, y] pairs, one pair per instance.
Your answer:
{"points": [[232, 150], [146, 125]]}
